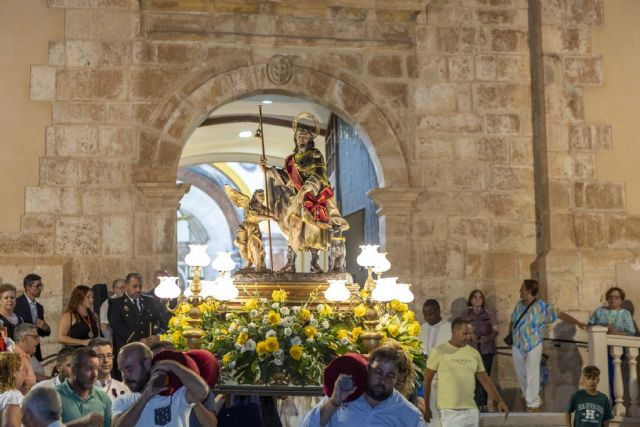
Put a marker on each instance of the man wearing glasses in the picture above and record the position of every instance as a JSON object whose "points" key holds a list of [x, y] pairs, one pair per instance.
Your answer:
{"points": [[32, 311], [111, 386], [26, 337]]}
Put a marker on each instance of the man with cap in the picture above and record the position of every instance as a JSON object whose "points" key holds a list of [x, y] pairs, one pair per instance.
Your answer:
{"points": [[369, 389], [163, 388]]}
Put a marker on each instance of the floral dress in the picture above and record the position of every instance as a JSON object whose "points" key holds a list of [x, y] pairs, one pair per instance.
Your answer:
{"points": [[619, 319]]}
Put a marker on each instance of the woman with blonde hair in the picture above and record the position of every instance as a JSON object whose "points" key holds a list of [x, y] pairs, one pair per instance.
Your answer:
{"points": [[407, 376], [11, 380], [78, 324]]}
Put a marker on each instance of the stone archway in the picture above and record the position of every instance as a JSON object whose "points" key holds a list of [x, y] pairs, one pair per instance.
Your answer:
{"points": [[192, 101]]}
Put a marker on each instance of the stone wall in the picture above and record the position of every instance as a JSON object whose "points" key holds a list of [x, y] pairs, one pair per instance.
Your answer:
{"points": [[471, 110]]}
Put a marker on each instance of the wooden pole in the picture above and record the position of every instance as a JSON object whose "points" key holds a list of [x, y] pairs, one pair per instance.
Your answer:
{"points": [[266, 187]]}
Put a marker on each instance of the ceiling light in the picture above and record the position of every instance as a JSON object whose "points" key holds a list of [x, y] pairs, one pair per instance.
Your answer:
{"points": [[245, 134], [266, 101]]}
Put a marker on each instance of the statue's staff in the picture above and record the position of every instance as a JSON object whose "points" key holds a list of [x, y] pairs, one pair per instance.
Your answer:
{"points": [[266, 186]]}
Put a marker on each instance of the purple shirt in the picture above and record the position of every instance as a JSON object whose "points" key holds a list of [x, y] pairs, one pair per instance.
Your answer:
{"points": [[483, 324]]}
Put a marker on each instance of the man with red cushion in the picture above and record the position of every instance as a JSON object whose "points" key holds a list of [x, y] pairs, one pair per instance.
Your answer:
{"points": [[364, 394], [163, 391]]}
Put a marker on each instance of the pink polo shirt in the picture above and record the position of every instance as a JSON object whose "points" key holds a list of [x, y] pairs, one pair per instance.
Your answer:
{"points": [[25, 367]]}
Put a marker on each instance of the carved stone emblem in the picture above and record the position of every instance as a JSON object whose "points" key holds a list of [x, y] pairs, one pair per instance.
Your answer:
{"points": [[279, 70]]}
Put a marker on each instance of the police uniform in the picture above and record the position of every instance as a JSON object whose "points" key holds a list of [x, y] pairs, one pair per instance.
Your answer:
{"points": [[131, 321]]}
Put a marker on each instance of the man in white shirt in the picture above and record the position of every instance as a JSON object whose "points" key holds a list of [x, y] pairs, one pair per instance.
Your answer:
{"points": [[145, 406], [433, 332], [380, 404], [111, 386], [63, 367], [41, 407]]}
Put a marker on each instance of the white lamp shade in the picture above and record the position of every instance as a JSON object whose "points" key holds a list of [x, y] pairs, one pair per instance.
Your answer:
{"points": [[168, 288], [197, 256], [225, 290], [369, 255], [223, 262], [337, 291], [208, 287], [385, 290], [404, 293], [382, 264]]}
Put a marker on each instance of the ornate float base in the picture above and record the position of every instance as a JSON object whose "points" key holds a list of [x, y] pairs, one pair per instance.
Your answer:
{"points": [[298, 285]]}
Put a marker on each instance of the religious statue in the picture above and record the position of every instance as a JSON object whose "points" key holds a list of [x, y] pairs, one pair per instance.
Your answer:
{"points": [[337, 255], [248, 236], [302, 198]]}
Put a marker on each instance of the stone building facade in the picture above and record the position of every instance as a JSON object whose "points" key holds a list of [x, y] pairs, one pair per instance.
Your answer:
{"points": [[473, 112]]}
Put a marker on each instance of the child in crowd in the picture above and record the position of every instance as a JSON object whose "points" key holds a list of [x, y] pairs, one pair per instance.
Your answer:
{"points": [[590, 407]]}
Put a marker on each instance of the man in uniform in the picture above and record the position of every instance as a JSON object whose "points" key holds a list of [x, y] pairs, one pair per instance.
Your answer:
{"points": [[133, 317]]}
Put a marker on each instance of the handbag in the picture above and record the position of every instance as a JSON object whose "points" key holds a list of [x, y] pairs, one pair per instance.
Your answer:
{"points": [[508, 340]]}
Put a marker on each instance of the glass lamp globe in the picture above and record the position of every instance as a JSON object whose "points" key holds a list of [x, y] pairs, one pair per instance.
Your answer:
{"points": [[197, 256], [404, 293], [386, 289], [168, 288], [223, 262], [382, 264], [337, 291], [225, 290], [208, 287], [369, 255]]}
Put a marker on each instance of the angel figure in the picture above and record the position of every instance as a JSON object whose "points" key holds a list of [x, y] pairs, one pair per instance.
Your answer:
{"points": [[248, 236]]}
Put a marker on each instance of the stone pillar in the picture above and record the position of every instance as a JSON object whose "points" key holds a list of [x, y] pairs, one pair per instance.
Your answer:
{"points": [[155, 226], [395, 208], [598, 355]]}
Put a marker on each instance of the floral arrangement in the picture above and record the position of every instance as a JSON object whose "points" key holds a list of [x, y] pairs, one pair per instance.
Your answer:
{"points": [[268, 340]]}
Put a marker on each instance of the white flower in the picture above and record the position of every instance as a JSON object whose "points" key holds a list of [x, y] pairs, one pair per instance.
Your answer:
{"points": [[310, 339], [242, 349], [313, 322], [295, 341], [325, 324], [279, 353], [277, 362], [232, 327], [318, 334], [320, 308], [287, 321], [229, 316], [244, 330], [275, 305], [296, 308], [232, 364], [252, 325], [253, 313], [285, 311], [344, 341], [250, 345], [263, 300], [287, 332], [238, 346], [265, 320], [270, 333]]}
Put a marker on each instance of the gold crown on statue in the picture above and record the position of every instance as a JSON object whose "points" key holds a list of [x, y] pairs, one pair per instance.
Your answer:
{"points": [[296, 125]]}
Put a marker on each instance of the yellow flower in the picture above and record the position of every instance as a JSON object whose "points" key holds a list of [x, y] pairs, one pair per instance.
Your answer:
{"points": [[403, 308], [184, 308], [408, 316], [251, 304], [242, 338], [279, 295], [326, 310], [363, 294], [310, 331], [395, 305], [384, 337], [355, 333], [413, 329], [360, 310], [164, 337], [296, 352], [261, 348], [273, 317], [226, 358], [175, 322], [203, 308], [393, 330], [305, 314], [184, 322], [175, 337], [272, 344], [342, 333]]}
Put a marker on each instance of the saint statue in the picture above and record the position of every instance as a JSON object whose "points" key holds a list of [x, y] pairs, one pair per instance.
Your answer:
{"points": [[248, 236], [302, 198]]}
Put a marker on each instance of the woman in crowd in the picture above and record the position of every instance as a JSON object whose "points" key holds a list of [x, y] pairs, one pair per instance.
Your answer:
{"points": [[78, 324], [10, 382], [613, 316], [8, 318], [485, 329]]}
